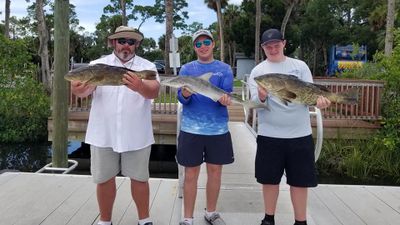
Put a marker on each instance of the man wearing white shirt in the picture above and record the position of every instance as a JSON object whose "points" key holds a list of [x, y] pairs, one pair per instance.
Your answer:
{"points": [[120, 128]]}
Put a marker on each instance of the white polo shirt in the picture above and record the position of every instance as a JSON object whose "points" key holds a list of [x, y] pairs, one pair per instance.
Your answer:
{"points": [[119, 117]]}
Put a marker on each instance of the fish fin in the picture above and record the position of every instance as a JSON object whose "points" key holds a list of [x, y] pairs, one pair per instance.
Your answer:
{"points": [[205, 76], [322, 87], [350, 96], [285, 101], [287, 95]]}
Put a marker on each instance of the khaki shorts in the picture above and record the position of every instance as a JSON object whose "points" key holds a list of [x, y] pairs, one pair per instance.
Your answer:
{"points": [[106, 164]]}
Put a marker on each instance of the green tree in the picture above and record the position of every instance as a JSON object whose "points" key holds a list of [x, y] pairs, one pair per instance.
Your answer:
{"points": [[119, 7], [23, 117], [217, 6]]}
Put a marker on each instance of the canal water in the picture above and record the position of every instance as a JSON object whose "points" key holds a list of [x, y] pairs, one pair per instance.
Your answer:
{"points": [[30, 157]]}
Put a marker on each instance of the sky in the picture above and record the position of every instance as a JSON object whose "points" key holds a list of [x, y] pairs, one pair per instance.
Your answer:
{"points": [[90, 11]]}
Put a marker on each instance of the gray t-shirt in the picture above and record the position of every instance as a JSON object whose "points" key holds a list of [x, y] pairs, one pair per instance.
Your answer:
{"points": [[281, 121]]}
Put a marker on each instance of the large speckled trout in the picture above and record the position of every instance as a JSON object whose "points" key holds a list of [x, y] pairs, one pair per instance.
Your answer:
{"points": [[289, 88], [102, 74]]}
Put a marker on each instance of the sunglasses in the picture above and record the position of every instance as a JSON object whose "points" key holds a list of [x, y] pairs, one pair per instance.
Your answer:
{"points": [[123, 41], [206, 42]]}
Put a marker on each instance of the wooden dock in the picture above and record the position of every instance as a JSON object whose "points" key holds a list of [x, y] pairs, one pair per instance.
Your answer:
{"points": [[48, 199]]}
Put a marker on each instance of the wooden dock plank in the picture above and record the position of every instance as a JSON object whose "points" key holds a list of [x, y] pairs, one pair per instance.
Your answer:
{"points": [[388, 195], [32, 194], [64, 213], [342, 212], [54, 196], [366, 205], [19, 189]]}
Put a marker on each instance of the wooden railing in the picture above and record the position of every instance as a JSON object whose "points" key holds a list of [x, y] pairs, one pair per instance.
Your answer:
{"points": [[369, 103], [368, 108]]}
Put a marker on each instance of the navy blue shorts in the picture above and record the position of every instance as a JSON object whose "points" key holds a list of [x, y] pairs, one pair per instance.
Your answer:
{"points": [[194, 149], [295, 156]]}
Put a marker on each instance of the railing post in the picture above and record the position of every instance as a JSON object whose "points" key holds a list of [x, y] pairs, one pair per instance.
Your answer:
{"points": [[181, 169], [320, 132]]}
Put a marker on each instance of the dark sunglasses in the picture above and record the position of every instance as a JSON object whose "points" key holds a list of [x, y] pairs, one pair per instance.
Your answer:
{"points": [[206, 42], [123, 41]]}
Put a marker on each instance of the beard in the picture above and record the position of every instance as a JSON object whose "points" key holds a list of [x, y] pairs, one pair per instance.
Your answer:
{"points": [[124, 54]]}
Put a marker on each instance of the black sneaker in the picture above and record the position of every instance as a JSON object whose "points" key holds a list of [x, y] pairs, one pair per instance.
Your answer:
{"points": [[148, 223], [265, 222]]}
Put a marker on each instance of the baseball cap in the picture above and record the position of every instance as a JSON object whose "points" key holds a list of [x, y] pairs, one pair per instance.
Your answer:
{"points": [[271, 35], [202, 33], [125, 32]]}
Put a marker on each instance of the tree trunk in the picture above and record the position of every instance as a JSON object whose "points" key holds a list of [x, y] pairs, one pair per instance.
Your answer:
{"points": [[314, 69], [169, 12], [60, 89], [221, 30], [257, 35], [287, 16], [389, 27], [123, 9], [43, 50], [7, 19]]}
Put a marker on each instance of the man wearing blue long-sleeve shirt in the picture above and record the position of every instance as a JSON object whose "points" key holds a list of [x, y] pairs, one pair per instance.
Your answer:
{"points": [[204, 134]]}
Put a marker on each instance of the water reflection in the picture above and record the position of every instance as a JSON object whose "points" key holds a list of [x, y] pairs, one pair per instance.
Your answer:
{"points": [[26, 157]]}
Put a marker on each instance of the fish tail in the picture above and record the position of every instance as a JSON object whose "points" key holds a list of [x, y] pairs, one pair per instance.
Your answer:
{"points": [[349, 96], [252, 105]]}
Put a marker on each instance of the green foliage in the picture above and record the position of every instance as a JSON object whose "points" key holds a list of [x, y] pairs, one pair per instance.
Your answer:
{"points": [[24, 105], [362, 161], [377, 158], [369, 71], [178, 17], [390, 73]]}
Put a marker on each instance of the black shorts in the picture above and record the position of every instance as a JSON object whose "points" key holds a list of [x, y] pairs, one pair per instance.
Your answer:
{"points": [[295, 156], [194, 149]]}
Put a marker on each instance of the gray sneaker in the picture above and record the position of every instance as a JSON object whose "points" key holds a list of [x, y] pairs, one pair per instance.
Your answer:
{"points": [[215, 219], [184, 223]]}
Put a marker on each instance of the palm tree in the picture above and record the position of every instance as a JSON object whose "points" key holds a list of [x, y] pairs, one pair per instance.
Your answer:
{"points": [[169, 12], [389, 27], [43, 50], [217, 6], [231, 14], [257, 35], [123, 10], [290, 4], [7, 19]]}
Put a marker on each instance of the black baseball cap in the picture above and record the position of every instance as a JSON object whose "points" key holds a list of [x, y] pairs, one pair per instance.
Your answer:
{"points": [[271, 35]]}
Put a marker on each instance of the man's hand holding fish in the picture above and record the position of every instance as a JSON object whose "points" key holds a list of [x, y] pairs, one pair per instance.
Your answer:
{"points": [[141, 86], [81, 89]]}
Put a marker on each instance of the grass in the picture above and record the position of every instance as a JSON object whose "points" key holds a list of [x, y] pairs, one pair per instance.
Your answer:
{"points": [[359, 161], [166, 98]]}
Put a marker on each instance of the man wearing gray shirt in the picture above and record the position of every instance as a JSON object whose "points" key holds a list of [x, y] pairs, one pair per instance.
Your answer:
{"points": [[284, 141]]}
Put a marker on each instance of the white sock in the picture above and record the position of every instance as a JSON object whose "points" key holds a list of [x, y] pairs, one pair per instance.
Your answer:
{"points": [[209, 214], [189, 220], [104, 222], [143, 221]]}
